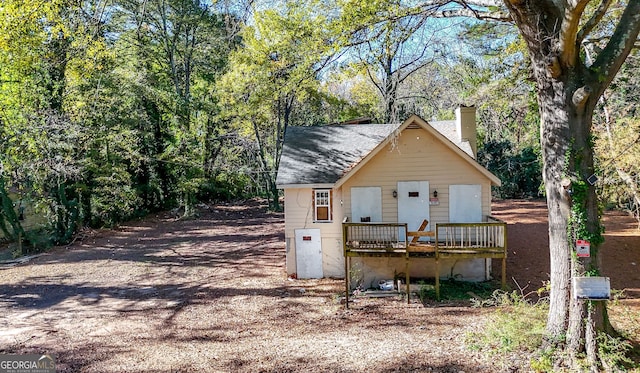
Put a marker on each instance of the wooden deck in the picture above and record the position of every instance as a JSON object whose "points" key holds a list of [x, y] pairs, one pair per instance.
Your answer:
{"points": [[448, 240]]}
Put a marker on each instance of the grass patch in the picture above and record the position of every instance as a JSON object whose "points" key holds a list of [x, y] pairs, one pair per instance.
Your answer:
{"points": [[515, 334], [517, 326]]}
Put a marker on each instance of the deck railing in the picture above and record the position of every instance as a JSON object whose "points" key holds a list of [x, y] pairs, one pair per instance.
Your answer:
{"points": [[488, 236], [450, 240], [481, 237], [375, 236]]}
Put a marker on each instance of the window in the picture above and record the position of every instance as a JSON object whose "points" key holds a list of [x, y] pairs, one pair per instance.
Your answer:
{"points": [[322, 204]]}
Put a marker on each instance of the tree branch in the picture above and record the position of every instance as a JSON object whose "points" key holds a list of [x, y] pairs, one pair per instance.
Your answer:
{"points": [[593, 21], [618, 48], [479, 14], [580, 97], [568, 47]]}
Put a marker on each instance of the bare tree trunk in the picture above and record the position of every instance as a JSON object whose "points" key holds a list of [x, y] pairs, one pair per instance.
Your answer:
{"points": [[568, 90], [267, 170], [573, 212], [555, 140]]}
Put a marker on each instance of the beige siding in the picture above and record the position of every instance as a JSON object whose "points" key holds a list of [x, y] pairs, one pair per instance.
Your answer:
{"points": [[298, 213], [414, 156], [417, 156]]}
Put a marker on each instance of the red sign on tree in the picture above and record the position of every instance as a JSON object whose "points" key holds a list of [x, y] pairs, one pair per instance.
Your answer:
{"points": [[583, 248]]}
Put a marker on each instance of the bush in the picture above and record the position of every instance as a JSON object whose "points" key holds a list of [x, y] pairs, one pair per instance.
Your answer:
{"points": [[519, 170], [224, 187], [516, 328], [113, 198], [453, 289]]}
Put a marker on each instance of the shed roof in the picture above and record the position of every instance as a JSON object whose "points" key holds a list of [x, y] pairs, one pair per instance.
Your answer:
{"points": [[322, 155]]}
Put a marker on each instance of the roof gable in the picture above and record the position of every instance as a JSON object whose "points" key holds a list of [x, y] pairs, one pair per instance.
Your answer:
{"points": [[330, 155]]}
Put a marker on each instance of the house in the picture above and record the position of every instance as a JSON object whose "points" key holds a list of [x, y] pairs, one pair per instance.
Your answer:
{"points": [[367, 174]]}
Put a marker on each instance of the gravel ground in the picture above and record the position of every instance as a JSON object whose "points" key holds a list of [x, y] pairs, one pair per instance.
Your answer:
{"points": [[211, 295]]}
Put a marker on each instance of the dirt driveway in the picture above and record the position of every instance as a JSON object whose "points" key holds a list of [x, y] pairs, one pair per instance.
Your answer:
{"points": [[211, 295]]}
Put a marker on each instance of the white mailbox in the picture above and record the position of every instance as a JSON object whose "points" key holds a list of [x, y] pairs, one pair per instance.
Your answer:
{"points": [[591, 288]]}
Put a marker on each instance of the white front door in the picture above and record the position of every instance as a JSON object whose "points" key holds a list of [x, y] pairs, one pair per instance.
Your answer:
{"points": [[465, 203], [366, 204], [308, 253], [413, 205]]}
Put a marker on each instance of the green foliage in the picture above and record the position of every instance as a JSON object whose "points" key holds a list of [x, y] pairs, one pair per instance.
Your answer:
{"points": [[519, 170], [226, 187], [113, 198], [9, 222], [114, 109], [614, 352], [618, 152], [517, 328], [101, 109], [270, 79], [516, 325], [544, 361], [578, 219]]}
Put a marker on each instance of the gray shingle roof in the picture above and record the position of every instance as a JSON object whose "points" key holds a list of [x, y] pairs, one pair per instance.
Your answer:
{"points": [[448, 128], [323, 154]]}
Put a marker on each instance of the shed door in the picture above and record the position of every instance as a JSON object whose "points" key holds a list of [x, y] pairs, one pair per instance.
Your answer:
{"points": [[366, 204], [413, 205], [465, 203], [308, 253]]}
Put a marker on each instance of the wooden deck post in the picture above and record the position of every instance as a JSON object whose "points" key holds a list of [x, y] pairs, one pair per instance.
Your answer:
{"points": [[504, 274], [407, 278], [346, 281], [437, 279], [437, 266], [346, 266], [504, 258]]}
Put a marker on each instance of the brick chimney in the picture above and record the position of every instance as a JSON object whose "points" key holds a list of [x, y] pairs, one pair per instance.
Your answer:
{"points": [[466, 126]]}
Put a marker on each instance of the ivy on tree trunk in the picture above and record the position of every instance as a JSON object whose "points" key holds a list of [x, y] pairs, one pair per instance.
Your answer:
{"points": [[568, 91]]}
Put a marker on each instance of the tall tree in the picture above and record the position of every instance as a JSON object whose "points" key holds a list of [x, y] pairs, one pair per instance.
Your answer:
{"points": [[568, 92], [391, 52], [37, 152], [269, 77], [569, 88], [618, 157], [180, 48]]}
